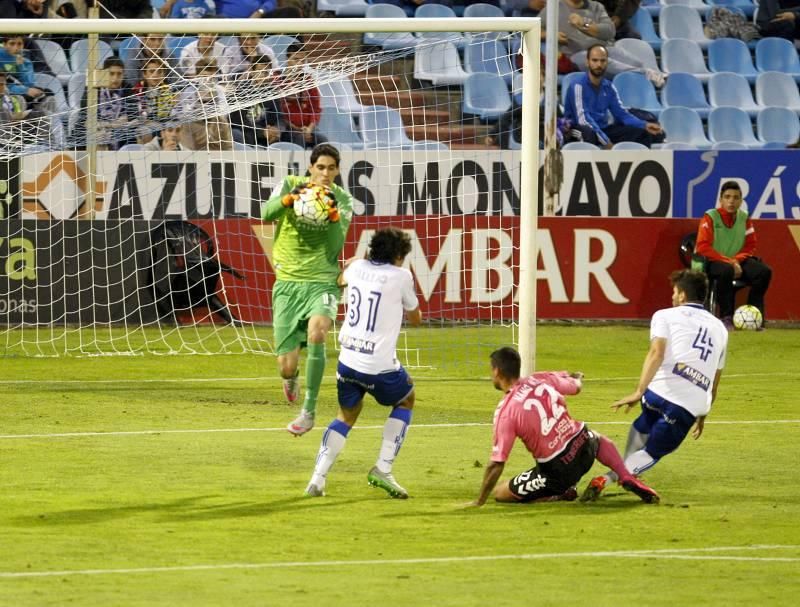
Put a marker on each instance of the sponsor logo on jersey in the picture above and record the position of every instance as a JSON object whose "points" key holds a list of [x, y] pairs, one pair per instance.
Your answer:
{"points": [[693, 375], [358, 344]]}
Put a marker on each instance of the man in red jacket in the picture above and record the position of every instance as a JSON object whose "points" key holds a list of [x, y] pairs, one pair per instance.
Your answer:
{"points": [[727, 239], [302, 110]]}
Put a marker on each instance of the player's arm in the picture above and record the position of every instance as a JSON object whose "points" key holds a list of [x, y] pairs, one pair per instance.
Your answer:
{"points": [[414, 317], [276, 206], [490, 477], [700, 422], [653, 360]]}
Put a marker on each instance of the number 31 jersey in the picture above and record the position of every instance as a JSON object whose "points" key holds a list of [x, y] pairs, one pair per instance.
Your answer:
{"points": [[377, 296]]}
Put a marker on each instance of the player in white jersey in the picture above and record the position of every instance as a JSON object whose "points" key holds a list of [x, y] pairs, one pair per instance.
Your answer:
{"points": [[679, 379], [379, 291]]}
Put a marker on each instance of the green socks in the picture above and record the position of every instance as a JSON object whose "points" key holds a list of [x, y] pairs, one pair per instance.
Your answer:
{"points": [[315, 368]]}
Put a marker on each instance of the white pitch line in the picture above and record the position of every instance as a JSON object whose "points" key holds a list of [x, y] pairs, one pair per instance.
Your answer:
{"points": [[379, 427], [205, 380], [645, 554]]}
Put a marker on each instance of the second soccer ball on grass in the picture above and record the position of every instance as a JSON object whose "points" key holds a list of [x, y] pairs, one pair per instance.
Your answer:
{"points": [[748, 318]]}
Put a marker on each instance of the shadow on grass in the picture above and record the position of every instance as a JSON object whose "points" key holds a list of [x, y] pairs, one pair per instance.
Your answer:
{"points": [[187, 509]]}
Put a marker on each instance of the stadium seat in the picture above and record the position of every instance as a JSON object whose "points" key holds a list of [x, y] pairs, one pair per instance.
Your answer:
{"points": [[727, 88], [653, 7], [676, 145], [778, 124], [580, 145], [79, 54], [56, 59], [642, 22], [684, 56], [745, 6], [635, 90], [629, 145], [731, 124], [685, 90], [439, 63], [641, 49], [482, 10], [487, 54], [485, 95], [777, 55], [173, 47], [131, 147], [338, 127], [439, 11], [382, 128], [683, 125], [566, 82], [697, 5], [682, 22], [777, 89], [729, 145], [279, 43], [774, 145], [343, 8], [340, 94], [52, 84], [128, 51], [76, 87], [286, 146], [388, 40], [731, 55]]}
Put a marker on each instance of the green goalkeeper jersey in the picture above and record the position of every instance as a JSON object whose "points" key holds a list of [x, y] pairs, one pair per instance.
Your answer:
{"points": [[304, 253]]}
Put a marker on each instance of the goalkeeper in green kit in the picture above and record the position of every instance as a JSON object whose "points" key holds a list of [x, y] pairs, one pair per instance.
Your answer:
{"points": [[305, 296]]}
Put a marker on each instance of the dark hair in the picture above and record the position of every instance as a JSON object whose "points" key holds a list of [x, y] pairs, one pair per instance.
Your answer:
{"points": [[113, 62], [325, 149], [259, 59], [594, 46], [730, 185], [3, 75], [294, 47], [693, 283], [507, 361], [205, 64], [387, 245]]}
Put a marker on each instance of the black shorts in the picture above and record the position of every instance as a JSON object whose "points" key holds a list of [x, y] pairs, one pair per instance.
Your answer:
{"points": [[554, 477]]}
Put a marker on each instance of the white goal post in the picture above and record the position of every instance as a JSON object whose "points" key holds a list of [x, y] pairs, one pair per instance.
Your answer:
{"points": [[51, 332]]}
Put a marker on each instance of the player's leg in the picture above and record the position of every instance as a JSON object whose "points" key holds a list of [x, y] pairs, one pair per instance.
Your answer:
{"points": [[288, 329], [532, 486], [608, 455], [758, 275], [397, 390], [666, 435]]}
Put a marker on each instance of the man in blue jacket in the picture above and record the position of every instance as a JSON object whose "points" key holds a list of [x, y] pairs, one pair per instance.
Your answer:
{"points": [[592, 97]]}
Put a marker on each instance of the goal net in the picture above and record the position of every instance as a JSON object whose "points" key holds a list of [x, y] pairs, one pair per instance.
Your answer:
{"points": [[131, 193]]}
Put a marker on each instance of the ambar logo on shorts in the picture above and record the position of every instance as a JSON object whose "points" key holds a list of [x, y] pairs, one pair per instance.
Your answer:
{"points": [[61, 191]]}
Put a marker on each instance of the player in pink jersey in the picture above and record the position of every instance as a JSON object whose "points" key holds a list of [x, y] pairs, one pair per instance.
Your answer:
{"points": [[535, 411]]}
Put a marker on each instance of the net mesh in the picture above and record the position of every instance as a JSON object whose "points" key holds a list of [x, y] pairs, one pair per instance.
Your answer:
{"points": [[131, 217]]}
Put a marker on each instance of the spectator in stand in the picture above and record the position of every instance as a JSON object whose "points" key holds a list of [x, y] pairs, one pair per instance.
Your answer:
{"points": [[148, 46], [68, 9], [155, 98], [205, 47], [126, 9], [591, 97], [205, 98], [12, 107], [301, 111], [780, 18], [167, 140], [256, 9], [188, 9], [585, 23], [113, 108], [258, 124], [238, 57], [20, 74], [31, 9], [727, 239], [621, 12]]}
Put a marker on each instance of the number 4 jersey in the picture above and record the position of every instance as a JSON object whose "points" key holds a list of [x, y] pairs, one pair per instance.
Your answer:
{"points": [[377, 296], [535, 411]]}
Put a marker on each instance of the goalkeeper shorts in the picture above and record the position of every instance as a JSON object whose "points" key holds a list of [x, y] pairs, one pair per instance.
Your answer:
{"points": [[293, 303]]}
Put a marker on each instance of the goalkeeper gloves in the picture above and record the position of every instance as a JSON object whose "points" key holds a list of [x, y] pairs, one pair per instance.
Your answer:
{"points": [[333, 212], [288, 199]]}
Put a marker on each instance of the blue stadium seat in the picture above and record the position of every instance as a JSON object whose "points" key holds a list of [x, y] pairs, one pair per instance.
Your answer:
{"points": [[338, 127], [286, 146], [173, 47], [635, 90], [79, 54], [279, 43], [566, 82], [678, 145], [580, 145], [629, 145], [777, 55], [487, 54], [439, 63], [439, 11], [481, 10], [727, 88], [485, 95], [641, 49], [729, 145], [778, 124], [56, 59], [777, 89], [131, 147], [52, 84], [384, 39], [685, 90], [683, 125], [382, 128], [340, 94], [653, 7], [642, 22], [731, 124], [731, 55], [684, 56], [698, 5], [683, 22], [76, 87], [343, 8]]}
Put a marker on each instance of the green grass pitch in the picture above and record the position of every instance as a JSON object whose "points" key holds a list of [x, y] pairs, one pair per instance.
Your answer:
{"points": [[168, 480]]}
